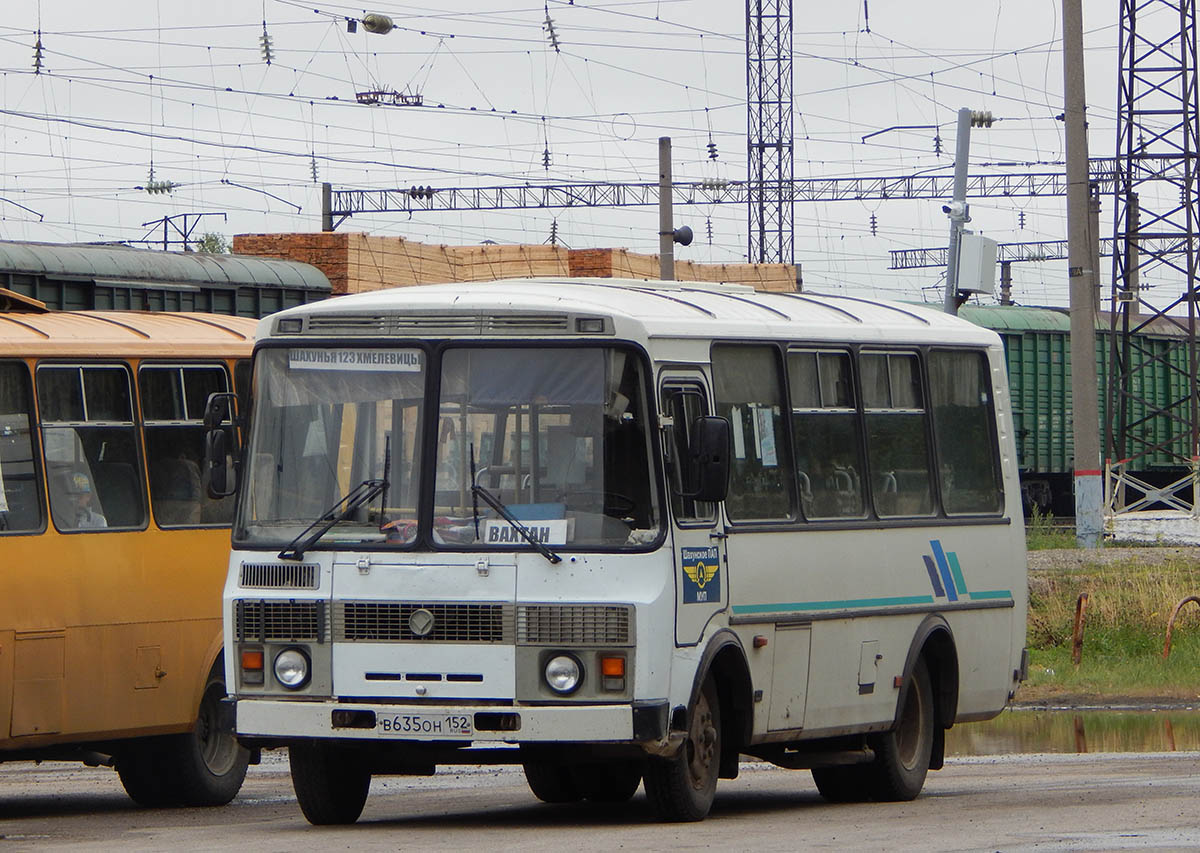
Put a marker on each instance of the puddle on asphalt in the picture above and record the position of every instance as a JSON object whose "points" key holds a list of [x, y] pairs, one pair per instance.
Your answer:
{"points": [[1031, 731]]}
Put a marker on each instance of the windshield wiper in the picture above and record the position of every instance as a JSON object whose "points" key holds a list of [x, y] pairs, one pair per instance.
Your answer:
{"points": [[491, 500], [356, 497]]}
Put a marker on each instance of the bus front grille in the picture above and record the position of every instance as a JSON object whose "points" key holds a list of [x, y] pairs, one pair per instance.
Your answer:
{"points": [[280, 621], [279, 575], [410, 621], [574, 624]]}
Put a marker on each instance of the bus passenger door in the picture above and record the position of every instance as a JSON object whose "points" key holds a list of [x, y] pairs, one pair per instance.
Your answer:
{"points": [[698, 543]]}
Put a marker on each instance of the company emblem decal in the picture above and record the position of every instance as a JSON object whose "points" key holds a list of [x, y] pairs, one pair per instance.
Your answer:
{"points": [[421, 622], [701, 574], [944, 572]]}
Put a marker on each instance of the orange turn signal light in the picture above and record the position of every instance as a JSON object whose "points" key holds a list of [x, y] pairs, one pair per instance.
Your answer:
{"points": [[252, 659], [612, 667]]}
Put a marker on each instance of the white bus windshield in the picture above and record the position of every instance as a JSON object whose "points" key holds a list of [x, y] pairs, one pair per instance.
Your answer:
{"points": [[557, 435]]}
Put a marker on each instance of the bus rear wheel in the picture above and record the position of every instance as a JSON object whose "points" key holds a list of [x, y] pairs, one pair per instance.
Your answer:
{"points": [[331, 783], [902, 755], [682, 788], [203, 767]]}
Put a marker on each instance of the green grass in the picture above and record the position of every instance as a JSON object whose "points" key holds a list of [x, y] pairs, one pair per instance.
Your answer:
{"points": [[1042, 533], [1124, 629]]}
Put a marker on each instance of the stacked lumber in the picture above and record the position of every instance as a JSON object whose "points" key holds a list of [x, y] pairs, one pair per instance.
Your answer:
{"points": [[374, 263], [356, 262], [622, 263], [488, 263]]}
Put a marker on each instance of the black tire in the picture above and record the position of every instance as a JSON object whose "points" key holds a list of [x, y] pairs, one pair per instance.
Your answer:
{"points": [[331, 783], [212, 764], [608, 781], [551, 783], [143, 766], [203, 767], [902, 755], [682, 788], [842, 784]]}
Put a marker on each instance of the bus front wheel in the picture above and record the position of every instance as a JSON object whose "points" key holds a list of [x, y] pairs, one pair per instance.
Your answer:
{"points": [[203, 767], [551, 783], [331, 784], [682, 788]]}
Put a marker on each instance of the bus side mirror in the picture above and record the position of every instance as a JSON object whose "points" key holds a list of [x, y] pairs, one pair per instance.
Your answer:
{"points": [[709, 453], [220, 449], [219, 409], [216, 464]]}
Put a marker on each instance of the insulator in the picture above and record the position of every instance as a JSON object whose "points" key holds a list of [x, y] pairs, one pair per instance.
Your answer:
{"points": [[154, 187], [376, 23], [1021, 218], [548, 26], [546, 157], [712, 150], [264, 44], [937, 145], [554, 232], [37, 55], [708, 229], [874, 222], [313, 165]]}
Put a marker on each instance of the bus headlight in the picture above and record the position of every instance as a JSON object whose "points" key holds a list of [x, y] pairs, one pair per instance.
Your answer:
{"points": [[563, 674], [291, 668]]}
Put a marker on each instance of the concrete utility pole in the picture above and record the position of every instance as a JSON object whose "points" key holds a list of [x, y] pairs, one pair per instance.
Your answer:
{"points": [[957, 209], [666, 228], [1085, 406]]}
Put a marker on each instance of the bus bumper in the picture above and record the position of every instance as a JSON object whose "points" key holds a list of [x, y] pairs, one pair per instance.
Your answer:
{"points": [[273, 720]]}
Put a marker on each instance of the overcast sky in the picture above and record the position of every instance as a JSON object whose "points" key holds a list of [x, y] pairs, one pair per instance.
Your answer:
{"points": [[127, 86]]}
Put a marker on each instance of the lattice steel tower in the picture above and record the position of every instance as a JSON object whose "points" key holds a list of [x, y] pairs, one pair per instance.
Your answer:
{"points": [[1152, 419], [769, 131]]}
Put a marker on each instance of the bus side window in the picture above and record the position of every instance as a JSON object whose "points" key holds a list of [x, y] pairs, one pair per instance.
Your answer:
{"points": [[20, 499], [90, 446], [897, 434], [749, 393], [963, 418], [173, 401], [825, 433], [684, 405]]}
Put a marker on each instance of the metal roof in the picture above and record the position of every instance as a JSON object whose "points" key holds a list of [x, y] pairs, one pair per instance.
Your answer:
{"points": [[678, 309], [1022, 318], [109, 333], [126, 264]]}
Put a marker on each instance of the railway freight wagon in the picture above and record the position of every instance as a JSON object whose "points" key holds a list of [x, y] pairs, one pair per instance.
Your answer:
{"points": [[1037, 348], [82, 277]]}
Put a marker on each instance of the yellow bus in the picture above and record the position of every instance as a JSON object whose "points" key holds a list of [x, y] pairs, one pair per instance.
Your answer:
{"points": [[112, 556]]}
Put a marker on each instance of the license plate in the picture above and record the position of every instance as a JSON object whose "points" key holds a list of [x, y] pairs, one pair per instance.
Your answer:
{"points": [[425, 725]]}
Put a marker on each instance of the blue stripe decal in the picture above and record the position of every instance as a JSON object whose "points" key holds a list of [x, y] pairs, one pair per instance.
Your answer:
{"points": [[991, 594], [944, 568], [843, 604], [956, 570], [933, 577]]}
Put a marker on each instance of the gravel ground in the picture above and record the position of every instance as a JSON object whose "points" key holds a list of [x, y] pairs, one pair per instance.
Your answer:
{"points": [[1078, 558]]}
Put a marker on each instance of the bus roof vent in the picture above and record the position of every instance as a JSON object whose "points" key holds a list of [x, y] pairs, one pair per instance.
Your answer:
{"points": [[416, 323], [347, 324], [279, 575], [520, 323], [434, 324]]}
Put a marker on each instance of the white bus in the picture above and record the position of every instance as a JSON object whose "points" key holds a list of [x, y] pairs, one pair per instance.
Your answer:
{"points": [[621, 532]]}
